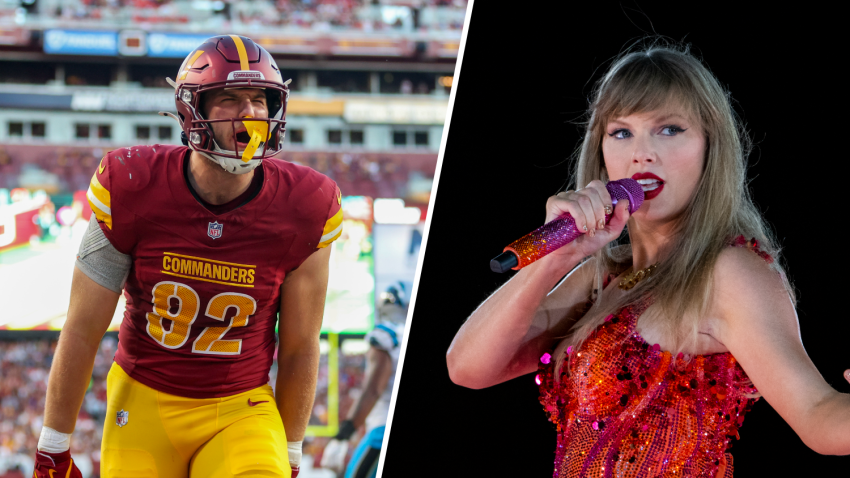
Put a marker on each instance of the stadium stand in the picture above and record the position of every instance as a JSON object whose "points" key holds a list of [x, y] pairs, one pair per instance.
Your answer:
{"points": [[319, 15]]}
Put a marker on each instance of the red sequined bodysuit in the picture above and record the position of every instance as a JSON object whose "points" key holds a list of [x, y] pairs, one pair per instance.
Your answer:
{"points": [[628, 409]]}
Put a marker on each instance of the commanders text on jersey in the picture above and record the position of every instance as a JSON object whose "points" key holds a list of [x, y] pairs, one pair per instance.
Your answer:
{"points": [[208, 270]]}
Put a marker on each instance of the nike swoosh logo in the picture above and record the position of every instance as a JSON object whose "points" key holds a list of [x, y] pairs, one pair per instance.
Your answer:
{"points": [[52, 472], [254, 404], [101, 168]]}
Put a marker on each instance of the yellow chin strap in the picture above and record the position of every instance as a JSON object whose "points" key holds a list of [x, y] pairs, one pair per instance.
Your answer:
{"points": [[259, 131]]}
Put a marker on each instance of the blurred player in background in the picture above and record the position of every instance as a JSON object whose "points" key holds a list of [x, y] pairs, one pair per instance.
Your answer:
{"points": [[372, 406], [210, 243]]}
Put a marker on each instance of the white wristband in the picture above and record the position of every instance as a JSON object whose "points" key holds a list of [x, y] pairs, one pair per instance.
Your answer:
{"points": [[294, 448], [52, 441]]}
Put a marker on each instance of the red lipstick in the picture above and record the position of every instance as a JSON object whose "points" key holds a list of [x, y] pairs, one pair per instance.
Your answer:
{"points": [[651, 184]]}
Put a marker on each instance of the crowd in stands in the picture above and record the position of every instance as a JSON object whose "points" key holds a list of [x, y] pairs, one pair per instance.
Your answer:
{"points": [[24, 369], [366, 15], [369, 174], [58, 170], [23, 383], [66, 170]]}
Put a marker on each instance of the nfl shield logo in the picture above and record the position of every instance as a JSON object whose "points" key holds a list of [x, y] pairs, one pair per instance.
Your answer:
{"points": [[214, 231], [122, 418]]}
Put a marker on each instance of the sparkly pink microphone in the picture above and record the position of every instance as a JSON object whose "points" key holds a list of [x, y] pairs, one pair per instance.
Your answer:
{"points": [[561, 231]]}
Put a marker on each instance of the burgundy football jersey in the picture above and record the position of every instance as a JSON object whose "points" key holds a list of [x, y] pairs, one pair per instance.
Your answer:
{"points": [[203, 291]]}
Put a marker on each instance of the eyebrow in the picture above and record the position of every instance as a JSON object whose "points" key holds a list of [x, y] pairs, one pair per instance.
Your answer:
{"points": [[659, 119], [672, 115]]}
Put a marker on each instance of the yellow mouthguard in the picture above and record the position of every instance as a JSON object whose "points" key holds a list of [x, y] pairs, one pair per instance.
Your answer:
{"points": [[259, 131]]}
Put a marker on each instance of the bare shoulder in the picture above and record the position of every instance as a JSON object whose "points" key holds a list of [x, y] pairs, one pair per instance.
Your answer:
{"points": [[760, 328], [742, 269], [745, 283]]}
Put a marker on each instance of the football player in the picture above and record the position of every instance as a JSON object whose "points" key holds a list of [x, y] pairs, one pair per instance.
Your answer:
{"points": [[372, 406], [211, 243]]}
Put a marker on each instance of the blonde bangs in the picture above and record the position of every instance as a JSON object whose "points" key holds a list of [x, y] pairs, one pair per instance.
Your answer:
{"points": [[644, 88]]}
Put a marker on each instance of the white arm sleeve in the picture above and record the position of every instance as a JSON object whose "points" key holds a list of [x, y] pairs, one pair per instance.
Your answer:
{"points": [[100, 261]]}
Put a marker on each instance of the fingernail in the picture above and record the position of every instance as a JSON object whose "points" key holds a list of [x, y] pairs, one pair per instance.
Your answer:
{"points": [[591, 233], [601, 224], [585, 228]]}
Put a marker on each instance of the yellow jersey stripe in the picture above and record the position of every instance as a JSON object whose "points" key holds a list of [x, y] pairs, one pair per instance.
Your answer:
{"points": [[333, 238], [333, 222], [101, 193], [101, 216], [243, 55], [331, 235], [194, 59], [210, 260], [97, 204]]}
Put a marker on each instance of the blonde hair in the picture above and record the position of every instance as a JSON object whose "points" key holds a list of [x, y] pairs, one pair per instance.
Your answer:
{"points": [[651, 79]]}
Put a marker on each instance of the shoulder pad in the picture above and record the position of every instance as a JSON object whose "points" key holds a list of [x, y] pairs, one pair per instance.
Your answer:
{"points": [[119, 171], [311, 198], [131, 167]]}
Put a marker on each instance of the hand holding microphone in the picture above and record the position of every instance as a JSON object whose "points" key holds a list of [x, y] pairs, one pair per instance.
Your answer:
{"points": [[578, 213]]}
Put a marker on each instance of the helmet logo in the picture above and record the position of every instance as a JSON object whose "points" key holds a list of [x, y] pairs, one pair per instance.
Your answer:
{"points": [[245, 75], [186, 96]]}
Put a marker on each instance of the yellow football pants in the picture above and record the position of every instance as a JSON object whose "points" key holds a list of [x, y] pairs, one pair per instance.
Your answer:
{"points": [[167, 436]]}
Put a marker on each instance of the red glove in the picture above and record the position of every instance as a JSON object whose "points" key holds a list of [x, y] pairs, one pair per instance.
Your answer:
{"points": [[55, 465], [295, 471]]}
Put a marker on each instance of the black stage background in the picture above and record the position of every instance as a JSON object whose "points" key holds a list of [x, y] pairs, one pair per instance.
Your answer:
{"points": [[525, 76]]}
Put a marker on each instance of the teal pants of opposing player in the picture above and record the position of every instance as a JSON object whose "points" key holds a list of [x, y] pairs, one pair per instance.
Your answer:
{"points": [[364, 461]]}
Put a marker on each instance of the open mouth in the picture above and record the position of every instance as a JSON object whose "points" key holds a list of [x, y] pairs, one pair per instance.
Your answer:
{"points": [[242, 137], [650, 184]]}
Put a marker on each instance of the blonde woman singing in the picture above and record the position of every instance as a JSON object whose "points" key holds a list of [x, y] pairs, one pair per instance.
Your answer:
{"points": [[650, 353]]}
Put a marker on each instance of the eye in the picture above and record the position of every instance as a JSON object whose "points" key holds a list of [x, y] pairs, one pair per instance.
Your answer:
{"points": [[620, 134], [672, 130]]}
